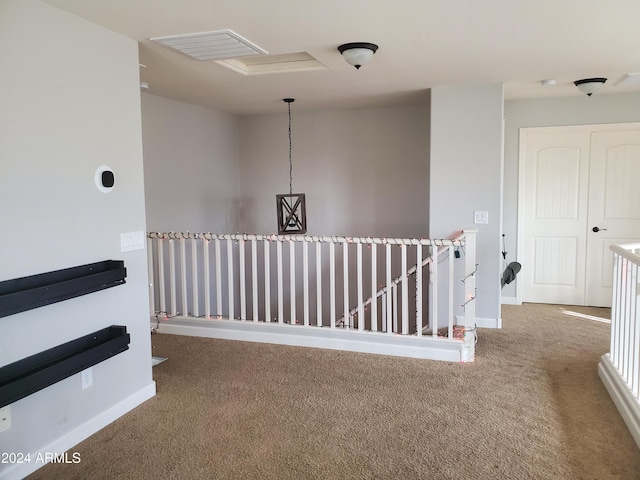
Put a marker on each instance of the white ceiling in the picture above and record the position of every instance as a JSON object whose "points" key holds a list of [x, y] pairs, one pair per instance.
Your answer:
{"points": [[423, 44]]}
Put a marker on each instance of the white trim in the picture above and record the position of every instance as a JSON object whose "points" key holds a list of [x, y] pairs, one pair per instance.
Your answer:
{"points": [[621, 394], [451, 350], [489, 322], [509, 301], [482, 322], [69, 440]]}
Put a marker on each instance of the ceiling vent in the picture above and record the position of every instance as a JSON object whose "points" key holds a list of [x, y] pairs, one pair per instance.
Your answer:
{"points": [[218, 45]]}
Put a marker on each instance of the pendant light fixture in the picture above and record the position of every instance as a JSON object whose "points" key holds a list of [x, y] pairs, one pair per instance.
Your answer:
{"points": [[291, 209]]}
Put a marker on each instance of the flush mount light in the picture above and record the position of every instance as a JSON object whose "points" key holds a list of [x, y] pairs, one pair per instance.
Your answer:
{"points": [[588, 86], [357, 53]]}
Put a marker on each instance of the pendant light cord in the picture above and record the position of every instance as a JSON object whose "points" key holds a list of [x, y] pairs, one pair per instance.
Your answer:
{"points": [[290, 161]]}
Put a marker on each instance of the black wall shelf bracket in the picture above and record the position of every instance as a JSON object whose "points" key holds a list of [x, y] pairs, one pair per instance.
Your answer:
{"points": [[31, 374], [25, 293]]}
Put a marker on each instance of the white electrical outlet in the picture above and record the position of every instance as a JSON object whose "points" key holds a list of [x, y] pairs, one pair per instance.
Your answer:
{"points": [[5, 418], [87, 378]]}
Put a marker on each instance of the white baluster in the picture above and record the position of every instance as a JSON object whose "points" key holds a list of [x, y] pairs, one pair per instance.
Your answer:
{"points": [[345, 283], [267, 282], [361, 318], [318, 284], [374, 289], [243, 282], [230, 278], [218, 278], [332, 282], [254, 278], [419, 289], [305, 280], [405, 289], [194, 277], [292, 283], [280, 287], [207, 279], [172, 277], [389, 299]]}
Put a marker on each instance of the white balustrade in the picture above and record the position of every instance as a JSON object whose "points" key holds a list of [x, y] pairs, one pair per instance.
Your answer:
{"points": [[395, 299], [620, 368]]}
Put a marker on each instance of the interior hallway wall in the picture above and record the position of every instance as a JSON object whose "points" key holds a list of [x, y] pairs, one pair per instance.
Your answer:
{"points": [[192, 167], [364, 172], [466, 176], [70, 103]]}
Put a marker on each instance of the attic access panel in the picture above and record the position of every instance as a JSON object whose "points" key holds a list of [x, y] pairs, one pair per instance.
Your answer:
{"points": [[292, 213]]}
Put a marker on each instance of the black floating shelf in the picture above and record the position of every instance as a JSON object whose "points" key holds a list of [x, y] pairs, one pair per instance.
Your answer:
{"points": [[25, 293], [31, 374]]}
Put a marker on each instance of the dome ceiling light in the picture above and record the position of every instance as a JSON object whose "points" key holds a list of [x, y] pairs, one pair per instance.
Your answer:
{"points": [[357, 53]]}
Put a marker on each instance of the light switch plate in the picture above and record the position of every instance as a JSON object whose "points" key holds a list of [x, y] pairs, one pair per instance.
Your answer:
{"points": [[481, 217], [131, 241]]}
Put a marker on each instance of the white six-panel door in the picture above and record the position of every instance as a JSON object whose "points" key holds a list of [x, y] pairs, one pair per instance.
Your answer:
{"points": [[556, 175], [614, 207], [573, 179]]}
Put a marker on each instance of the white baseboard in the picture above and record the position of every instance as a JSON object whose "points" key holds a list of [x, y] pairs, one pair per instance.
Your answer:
{"points": [[450, 350], [483, 322], [82, 432], [509, 301], [489, 322], [621, 394]]}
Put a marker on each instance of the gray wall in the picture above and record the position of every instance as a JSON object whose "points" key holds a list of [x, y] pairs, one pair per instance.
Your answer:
{"points": [[69, 103], [580, 110], [192, 167], [466, 175], [364, 172]]}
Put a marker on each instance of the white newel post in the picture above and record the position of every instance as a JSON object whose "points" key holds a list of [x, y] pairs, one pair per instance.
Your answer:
{"points": [[469, 295]]}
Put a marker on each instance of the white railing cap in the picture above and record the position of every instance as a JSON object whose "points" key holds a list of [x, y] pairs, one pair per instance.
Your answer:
{"points": [[456, 241], [626, 251]]}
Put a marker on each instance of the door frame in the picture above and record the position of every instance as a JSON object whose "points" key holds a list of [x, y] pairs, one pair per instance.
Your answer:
{"points": [[522, 134]]}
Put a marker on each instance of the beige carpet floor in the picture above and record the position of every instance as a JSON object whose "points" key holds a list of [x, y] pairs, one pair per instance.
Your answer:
{"points": [[531, 407]]}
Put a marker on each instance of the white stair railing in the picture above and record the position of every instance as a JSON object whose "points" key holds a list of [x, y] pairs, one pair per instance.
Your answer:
{"points": [[382, 292], [243, 277], [620, 368]]}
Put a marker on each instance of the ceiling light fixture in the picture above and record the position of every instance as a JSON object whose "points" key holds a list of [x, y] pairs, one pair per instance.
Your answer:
{"points": [[357, 53], [291, 208], [588, 86]]}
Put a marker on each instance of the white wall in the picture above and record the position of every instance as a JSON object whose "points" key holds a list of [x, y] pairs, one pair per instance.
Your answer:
{"points": [[69, 103], [192, 167], [580, 110], [364, 172], [466, 175]]}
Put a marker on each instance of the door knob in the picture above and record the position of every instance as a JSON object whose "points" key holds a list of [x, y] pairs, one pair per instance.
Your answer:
{"points": [[596, 229]]}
